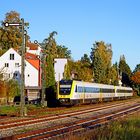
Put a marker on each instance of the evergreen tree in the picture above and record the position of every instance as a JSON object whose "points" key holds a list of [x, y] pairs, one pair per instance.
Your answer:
{"points": [[101, 56], [50, 45], [50, 78], [86, 60], [124, 71], [63, 52], [137, 68]]}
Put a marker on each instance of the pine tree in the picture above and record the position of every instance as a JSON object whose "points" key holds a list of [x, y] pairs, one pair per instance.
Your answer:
{"points": [[124, 71]]}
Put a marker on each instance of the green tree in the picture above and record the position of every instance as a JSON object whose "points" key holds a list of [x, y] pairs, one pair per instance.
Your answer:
{"points": [[101, 56], [137, 68], [67, 74], [86, 60], [114, 74], [81, 71], [50, 45], [12, 89], [50, 78], [124, 71], [63, 52]]}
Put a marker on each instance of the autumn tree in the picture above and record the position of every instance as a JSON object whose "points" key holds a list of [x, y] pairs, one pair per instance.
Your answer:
{"points": [[67, 74], [124, 71], [80, 71], [101, 56], [114, 74], [136, 79], [11, 36], [12, 89]]}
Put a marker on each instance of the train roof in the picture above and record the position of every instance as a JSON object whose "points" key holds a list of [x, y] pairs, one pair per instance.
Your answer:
{"points": [[91, 83]]}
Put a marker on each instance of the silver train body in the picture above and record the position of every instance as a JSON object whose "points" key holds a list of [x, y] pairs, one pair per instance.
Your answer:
{"points": [[74, 92]]}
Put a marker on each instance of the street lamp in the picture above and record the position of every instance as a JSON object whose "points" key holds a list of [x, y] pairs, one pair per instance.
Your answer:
{"points": [[22, 24], [43, 77]]}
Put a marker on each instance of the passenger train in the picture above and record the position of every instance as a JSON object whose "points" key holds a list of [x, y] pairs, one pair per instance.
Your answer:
{"points": [[77, 92]]}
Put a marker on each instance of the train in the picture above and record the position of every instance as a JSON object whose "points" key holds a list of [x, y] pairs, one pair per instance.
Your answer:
{"points": [[77, 92]]}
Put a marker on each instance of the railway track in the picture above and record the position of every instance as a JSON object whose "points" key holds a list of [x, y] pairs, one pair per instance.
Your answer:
{"points": [[27, 121], [75, 123]]}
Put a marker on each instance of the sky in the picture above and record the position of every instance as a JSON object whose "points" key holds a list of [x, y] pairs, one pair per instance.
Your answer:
{"points": [[79, 23]]}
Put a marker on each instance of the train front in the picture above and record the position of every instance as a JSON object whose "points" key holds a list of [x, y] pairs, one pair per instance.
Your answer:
{"points": [[64, 93]]}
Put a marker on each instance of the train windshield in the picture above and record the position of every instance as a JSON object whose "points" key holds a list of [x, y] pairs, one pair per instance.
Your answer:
{"points": [[65, 87]]}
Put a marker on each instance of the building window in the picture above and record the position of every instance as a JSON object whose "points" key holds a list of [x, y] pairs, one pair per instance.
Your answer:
{"points": [[6, 64], [11, 56], [16, 65], [15, 74]]}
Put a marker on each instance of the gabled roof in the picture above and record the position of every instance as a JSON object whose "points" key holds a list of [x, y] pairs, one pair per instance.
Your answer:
{"points": [[33, 59], [34, 63], [32, 46], [31, 56]]}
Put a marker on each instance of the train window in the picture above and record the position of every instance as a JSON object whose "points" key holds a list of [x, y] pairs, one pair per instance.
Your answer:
{"points": [[124, 91], [105, 90], [65, 89], [81, 89]]}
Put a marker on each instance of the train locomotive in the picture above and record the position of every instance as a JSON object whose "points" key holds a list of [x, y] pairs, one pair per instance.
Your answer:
{"points": [[77, 92]]}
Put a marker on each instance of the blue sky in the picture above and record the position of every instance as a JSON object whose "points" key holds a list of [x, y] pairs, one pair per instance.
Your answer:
{"points": [[80, 23]]}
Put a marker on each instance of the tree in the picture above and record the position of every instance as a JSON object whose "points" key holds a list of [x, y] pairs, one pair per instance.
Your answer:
{"points": [[12, 89], [101, 56], [50, 45], [86, 60], [114, 74], [63, 52], [81, 71], [124, 71], [67, 74], [137, 68], [11, 36], [136, 79], [50, 78]]}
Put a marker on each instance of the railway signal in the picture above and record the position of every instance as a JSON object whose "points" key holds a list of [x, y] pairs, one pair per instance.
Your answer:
{"points": [[22, 24]]}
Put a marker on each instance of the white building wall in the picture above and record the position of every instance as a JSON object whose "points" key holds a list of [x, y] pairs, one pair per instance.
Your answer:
{"points": [[31, 73], [59, 66], [12, 67]]}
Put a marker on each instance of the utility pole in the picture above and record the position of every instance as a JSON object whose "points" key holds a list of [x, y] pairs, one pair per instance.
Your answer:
{"points": [[43, 79], [43, 75], [22, 24], [22, 111]]}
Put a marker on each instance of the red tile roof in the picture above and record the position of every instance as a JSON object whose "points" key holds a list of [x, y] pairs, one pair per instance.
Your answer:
{"points": [[33, 60], [34, 63], [32, 46], [30, 56]]}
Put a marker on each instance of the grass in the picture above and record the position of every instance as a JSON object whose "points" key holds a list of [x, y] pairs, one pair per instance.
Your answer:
{"points": [[124, 129], [9, 110]]}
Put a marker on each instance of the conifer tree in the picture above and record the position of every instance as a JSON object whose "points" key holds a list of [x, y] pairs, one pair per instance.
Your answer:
{"points": [[50, 78], [101, 56], [124, 71]]}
